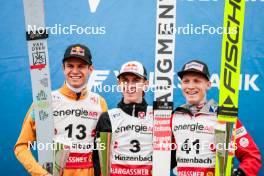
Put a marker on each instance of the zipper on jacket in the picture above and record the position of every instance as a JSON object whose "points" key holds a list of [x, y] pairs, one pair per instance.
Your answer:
{"points": [[133, 112]]}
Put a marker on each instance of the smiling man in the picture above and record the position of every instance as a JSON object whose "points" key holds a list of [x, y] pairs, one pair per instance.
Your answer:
{"points": [[131, 124], [75, 111], [193, 127]]}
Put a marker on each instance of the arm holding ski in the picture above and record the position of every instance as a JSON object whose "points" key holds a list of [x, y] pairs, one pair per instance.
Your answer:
{"points": [[247, 151], [22, 150]]}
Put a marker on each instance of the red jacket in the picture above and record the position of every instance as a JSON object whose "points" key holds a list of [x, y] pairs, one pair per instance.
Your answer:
{"points": [[247, 151]]}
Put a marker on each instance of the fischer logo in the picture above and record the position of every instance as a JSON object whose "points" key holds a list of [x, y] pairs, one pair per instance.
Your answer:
{"points": [[232, 49], [199, 128], [77, 113], [136, 128]]}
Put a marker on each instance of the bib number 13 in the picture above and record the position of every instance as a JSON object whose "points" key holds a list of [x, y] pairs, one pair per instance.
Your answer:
{"points": [[80, 131]]}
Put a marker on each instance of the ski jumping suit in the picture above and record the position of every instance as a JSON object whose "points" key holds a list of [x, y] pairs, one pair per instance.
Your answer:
{"points": [[195, 138], [75, 118], [131, 126]]}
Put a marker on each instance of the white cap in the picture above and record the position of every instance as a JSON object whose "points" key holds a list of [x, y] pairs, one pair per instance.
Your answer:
{"points": [[134, 67]]}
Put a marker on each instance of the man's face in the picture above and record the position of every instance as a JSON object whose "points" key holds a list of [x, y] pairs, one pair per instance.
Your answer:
{"points": [[132, 87], [194, 87], [76, 71]]}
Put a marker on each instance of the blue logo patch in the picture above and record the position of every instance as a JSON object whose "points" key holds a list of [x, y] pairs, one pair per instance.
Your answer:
{"points": [[212, 108]]}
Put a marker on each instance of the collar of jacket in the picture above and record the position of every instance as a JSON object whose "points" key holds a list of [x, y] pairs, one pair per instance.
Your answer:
{"points": [[73, 95], [133, 109], [209, 108]]}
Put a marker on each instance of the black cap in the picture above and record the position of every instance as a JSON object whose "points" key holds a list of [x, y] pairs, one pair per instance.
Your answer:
{"points": [[78, 51], [195, 66]]}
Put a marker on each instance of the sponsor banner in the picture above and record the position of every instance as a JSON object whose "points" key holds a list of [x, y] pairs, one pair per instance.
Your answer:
{"points": [[195, 171], [83, 113], [79, 160], [195, 160], [162, 128], [123, 170], [198, 128], [132, 158], [143, 129]]}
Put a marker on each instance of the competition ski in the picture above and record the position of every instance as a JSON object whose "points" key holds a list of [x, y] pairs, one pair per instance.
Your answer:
{"points": [[229, 85], [104, 153], [163, 96], [40, 79]]}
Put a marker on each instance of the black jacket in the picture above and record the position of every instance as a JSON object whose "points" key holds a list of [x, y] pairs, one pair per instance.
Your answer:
{"points": [[104, 123]]}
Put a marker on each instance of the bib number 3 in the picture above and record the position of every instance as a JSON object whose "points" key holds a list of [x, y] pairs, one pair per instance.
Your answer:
{"points": [[135, 146]]}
